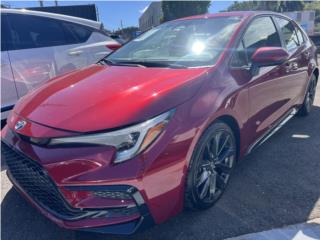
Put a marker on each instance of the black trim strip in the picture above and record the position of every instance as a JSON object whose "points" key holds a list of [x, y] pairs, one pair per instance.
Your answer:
{"points": [[146, 220], [272, 130], [7, 108]]}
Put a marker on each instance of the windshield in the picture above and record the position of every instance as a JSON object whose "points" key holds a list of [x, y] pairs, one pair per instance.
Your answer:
{"points": [[182, 43]]}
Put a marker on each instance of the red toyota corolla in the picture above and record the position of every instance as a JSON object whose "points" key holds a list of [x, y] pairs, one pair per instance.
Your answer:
{"points": [[159, 124]]}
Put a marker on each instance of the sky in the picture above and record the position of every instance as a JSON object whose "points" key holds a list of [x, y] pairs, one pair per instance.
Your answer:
{"points": [[111, 13]]}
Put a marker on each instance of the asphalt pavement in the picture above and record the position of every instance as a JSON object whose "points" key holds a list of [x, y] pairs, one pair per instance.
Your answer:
{"points": [[275, 186]]}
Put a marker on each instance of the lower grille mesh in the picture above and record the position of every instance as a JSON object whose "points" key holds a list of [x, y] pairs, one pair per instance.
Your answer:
{"points": [[31, 177], [35, 181]]}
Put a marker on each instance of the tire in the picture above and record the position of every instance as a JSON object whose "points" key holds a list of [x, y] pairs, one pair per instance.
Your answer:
{"points": [[306, 106], [210, 167]]}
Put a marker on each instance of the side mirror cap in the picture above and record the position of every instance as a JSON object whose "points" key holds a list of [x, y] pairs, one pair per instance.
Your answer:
{"points": [[269, 56]]}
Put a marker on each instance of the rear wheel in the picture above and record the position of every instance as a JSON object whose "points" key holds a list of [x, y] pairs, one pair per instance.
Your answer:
{"points": [[309, 98], [210, 167]]}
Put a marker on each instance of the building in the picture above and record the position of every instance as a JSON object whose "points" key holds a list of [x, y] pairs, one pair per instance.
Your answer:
{"points": [[305, 18], [151, 17], [88, 11]]}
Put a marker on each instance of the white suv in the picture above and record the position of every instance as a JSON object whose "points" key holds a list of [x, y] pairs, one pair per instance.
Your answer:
{"points": [[36, 46]]}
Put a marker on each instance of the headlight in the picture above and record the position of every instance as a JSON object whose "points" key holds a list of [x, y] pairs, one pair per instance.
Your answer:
{"points": [[128, 141]]}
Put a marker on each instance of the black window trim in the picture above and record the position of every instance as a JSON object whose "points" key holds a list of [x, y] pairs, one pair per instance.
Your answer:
{"points": [[281, 34], [304, 36], [244, 30]]}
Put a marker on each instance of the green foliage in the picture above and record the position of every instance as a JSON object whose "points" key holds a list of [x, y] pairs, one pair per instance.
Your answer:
{"points": [[316, 7], [279, 6], [289, 6], [276, 6], [244, 6], [3, 5], [178, 9]]}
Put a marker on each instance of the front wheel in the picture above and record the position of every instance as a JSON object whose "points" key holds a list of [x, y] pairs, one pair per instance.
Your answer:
{"points": [[210, 167], [309, 98]]}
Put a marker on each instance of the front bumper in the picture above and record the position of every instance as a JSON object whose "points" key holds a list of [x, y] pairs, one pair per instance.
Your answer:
{"points": [[35, 184], [76, 172]]}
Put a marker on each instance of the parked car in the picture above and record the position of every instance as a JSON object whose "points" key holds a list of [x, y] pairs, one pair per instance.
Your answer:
{"points": [[118, 38], [37, 46], [159, 124], [316, 40]]}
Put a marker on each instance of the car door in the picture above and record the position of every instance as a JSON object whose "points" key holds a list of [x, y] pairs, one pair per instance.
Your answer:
{"points": [[269, 90], [41, 50], [94, 44], [8, 89], [100, 45], [297, 65]]}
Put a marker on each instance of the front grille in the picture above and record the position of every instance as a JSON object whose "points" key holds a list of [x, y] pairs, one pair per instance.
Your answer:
{"points": [[34, 180], [36, 183]]}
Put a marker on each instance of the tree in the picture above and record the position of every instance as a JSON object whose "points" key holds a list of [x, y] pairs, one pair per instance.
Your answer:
{"points": [[243, 6], [316, 7], [178, 9], [276, 6], [289, 6], [5, 5]]}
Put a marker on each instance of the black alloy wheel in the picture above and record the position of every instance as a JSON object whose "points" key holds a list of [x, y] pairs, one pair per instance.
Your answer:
{"points": [[210, 167]]}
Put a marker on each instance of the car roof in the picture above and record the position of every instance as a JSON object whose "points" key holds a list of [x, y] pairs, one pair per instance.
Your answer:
{"points": [[82, 21]]}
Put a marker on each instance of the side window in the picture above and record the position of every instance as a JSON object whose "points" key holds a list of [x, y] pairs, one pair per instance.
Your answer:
{"points": [[34, 32], [76, 33], [239, 58], [5, 36], [289, 34], [261, 33]]}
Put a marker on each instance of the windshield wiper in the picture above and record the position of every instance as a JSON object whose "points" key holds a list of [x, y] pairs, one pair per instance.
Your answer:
{"points": [[104, 61], [112, 63], [142, 63], [155, 64]]}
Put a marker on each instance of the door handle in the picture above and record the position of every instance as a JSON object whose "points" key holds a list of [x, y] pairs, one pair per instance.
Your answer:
{"points": [[307, 54], [292, 66], [75, 53]]}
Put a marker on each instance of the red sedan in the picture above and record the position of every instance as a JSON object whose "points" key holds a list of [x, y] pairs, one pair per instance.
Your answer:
{"points": [[158, 125]]}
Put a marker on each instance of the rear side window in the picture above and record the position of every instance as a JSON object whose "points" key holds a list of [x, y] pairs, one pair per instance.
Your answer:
{"points": [[289, 34], [5, 37], [34, 32], [76, 33], [260, 33]]}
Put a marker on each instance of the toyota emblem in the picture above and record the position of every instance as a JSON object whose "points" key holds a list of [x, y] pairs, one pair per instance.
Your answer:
{"points": [[19, 125]]}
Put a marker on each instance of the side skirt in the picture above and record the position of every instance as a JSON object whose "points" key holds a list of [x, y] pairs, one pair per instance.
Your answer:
{"points": [[272, 130]]}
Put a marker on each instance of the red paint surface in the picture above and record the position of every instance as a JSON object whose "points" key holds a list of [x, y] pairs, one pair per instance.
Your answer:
{"points": [[98, 98]]}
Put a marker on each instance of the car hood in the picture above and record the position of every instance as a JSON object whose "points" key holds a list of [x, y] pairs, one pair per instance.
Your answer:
{"points": [[106, 97]]}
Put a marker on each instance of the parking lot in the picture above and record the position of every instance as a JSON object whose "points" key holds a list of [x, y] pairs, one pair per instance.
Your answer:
{"points": [[277, 185]]}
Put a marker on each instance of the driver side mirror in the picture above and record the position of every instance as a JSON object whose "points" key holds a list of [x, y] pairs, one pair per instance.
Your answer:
{"points": [[268, 56]]}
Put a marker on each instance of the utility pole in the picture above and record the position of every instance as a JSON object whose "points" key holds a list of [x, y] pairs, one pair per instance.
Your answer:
{"points": [[41, 3], [121, 24], [56, 3], [121, 27]]}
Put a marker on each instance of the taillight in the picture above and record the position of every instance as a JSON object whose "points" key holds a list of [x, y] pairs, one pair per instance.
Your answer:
{"points": [[114, 46]]}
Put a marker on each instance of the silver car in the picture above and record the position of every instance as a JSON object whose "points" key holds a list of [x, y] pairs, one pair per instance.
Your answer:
{"points": [[37, 46]]}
